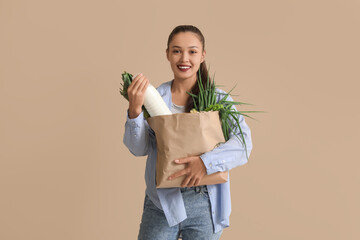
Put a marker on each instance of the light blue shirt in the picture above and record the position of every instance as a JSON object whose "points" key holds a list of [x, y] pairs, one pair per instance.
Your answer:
{"points": [[140, 140]]}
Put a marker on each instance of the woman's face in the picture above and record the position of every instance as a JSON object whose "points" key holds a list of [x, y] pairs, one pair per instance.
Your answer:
{"points": [[185, 55]]}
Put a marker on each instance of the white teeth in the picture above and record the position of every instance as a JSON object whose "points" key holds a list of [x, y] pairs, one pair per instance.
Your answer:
{"points": [[181, 67]]}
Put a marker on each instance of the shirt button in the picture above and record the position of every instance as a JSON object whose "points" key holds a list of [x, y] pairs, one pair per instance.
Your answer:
{"points": [[133, 123], [134, 135], [210, 165], [213, 212]]}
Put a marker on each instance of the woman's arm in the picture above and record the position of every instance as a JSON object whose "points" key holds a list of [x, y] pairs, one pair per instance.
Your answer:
{"points": [[228, 155], [136, 136], [231, 153]]}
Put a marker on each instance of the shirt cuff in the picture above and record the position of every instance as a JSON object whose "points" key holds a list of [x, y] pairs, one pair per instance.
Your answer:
{"points": [[135, 122], [212, 166]]}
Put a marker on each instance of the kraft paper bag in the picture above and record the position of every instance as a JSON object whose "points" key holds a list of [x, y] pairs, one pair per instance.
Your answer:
{"points": [[182, 135]]}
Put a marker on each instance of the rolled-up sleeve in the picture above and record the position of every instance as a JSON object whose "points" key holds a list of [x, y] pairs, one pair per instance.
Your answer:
{"points": [[136, 136], [232, 153]]}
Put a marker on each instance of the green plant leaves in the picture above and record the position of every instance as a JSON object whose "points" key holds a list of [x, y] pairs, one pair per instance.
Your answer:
{"points": [[229, 116], [127, 80]]}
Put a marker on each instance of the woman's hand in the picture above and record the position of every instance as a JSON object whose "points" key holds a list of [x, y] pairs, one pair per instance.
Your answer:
{"points": [[136, 93], [194, 171]]}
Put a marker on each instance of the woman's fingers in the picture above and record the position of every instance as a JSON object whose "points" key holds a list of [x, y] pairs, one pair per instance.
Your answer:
{"points": [[138, 86], [192, 182], [144, 85], [197, 182], [136, 94], [134, 86], [141, 85], [186, 181], [179, 173]]}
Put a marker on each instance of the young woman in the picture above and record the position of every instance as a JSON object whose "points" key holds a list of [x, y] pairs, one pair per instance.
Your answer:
{"points": [[191, 211]]}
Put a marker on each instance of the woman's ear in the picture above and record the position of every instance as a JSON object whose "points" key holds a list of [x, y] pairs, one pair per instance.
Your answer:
{"points": [[167, 54], [203, 56]]}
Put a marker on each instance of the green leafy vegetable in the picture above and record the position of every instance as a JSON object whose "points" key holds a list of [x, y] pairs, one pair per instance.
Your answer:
{"points": [[127, 79], [206, 101]]}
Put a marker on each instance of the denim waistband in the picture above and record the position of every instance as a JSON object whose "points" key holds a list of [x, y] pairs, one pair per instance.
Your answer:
{"points": [[202, 188]]}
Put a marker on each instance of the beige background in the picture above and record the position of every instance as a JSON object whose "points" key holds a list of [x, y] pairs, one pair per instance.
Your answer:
{"points": [[64, 171]]}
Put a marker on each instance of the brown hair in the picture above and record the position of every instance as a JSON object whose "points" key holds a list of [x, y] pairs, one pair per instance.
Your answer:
{"points": [[202, 69]]}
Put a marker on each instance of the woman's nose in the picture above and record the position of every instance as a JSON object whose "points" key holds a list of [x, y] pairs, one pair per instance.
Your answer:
{"points": [[184, 57]]}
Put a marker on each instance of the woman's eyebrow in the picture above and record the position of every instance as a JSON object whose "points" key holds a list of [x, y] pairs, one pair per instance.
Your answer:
{"points": [[189, 47]]}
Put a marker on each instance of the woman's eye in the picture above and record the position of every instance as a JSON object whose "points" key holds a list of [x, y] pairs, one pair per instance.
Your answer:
{"points": [[178, 51]]}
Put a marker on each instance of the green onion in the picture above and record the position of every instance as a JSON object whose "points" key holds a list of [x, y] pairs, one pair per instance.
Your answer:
{"points": [[206, 101]]}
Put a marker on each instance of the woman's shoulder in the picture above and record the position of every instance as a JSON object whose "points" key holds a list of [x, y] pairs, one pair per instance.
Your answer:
{"points": [[164, 87], [219, 90], [221, 93]]}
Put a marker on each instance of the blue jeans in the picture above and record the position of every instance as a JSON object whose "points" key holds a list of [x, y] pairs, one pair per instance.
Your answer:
{"points": [[198, 224]]}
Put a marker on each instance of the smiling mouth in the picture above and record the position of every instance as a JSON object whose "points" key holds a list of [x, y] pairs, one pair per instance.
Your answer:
{"points": [[183, 67]]}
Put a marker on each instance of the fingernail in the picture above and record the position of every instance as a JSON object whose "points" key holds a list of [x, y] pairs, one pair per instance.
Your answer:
{"points": [[169, 178], [177, 160]]}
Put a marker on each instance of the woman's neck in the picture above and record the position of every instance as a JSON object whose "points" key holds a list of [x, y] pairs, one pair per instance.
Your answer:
{"points": [[181, 86], [179, 89]]}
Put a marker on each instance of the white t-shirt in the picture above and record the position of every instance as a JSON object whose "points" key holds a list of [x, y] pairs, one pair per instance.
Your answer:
{"points": [[177, 109]]}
